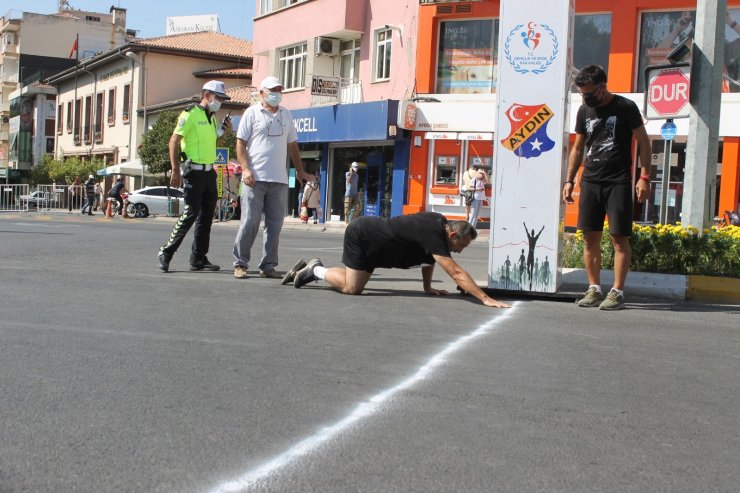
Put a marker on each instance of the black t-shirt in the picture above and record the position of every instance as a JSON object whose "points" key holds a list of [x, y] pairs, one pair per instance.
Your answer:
{"points": [[404, 241], [608, 130], [116, 189]]}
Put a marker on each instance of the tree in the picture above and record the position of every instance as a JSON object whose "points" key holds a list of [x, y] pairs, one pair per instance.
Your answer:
{"points": [[155, 147], [65, 171]]}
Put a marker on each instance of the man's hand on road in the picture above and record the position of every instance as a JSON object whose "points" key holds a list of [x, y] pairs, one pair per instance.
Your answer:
{"points": [[488, 301]]}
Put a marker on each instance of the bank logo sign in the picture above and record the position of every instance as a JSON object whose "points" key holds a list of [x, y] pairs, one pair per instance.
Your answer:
{"points": [[528, 137], [531, 48]]}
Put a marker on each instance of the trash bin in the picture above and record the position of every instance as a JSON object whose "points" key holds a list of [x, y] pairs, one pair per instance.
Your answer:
{"points": [[173, 207]]}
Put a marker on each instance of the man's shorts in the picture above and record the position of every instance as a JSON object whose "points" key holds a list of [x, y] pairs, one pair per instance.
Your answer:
{"points": [[354, 255], [611, 199]]}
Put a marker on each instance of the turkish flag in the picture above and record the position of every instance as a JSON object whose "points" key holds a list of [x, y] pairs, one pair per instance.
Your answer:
{"points": [[74, 49]]}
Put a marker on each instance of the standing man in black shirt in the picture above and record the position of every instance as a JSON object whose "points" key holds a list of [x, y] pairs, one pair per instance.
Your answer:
{"points": [[402, 242], [605, 126]]}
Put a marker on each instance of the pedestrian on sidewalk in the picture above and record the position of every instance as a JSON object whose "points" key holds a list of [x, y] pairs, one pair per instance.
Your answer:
{"points": [[351, 178], [605, 126], [264, 140], [73, 194], [311, 199], [402, 242], [98, 195], [89, 196]]}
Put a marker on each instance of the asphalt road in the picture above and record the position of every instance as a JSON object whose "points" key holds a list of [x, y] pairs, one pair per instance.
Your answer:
{"points": [[115, 377]]}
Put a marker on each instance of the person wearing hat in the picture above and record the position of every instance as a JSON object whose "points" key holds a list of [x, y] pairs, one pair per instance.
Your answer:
{"points": [[89, 195], [350, 190], [192, 154], [264, 140]]}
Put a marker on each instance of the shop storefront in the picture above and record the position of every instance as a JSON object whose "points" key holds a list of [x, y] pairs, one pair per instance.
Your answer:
{"points": [[450, 135], [458, 57], [332, 137]]}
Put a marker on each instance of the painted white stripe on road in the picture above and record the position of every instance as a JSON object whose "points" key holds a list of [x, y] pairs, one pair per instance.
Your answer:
{"points": [[363, 410]]}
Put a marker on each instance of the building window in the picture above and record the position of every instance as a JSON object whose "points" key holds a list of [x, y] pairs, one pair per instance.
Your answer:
{"points": [[591, 38], [293, 66], [267, 6], [350, 59], [112, 106], [467, 57], [383, 42], [77, 131], [60, 118], [69, 117], [98, 119], [126, 103], [87, 128], [92, 18]]}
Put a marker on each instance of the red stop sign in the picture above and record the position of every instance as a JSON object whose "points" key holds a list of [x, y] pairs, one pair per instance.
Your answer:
{"points": [[668, 93]]}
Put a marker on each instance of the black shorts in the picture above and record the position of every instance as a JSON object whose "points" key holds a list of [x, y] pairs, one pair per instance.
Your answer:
{"points": [[354, 255], [611, 199]]}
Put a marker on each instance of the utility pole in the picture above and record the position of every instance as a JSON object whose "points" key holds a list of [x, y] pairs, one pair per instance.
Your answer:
{"points": [[705, 95]]}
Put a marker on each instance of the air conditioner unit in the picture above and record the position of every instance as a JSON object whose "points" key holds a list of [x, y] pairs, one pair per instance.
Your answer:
{"points": [[326, 46]]}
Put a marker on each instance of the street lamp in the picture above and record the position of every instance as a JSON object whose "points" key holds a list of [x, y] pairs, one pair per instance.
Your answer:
{"points": [[134, 60]]}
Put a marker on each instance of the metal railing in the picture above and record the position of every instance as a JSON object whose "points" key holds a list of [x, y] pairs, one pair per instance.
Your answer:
{"points": [[60, 197], [13, 198]]}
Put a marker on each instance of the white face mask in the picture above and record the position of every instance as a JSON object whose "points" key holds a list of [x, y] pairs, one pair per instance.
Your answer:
{"points": [[214, 105], [274, 98]]}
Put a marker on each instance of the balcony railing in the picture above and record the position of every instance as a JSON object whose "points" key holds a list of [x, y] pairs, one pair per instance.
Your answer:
{"points": [[350, 91]]}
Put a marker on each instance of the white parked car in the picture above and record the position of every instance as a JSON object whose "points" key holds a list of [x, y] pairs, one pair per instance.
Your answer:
{"points": [[153, 200], [35, 199]]}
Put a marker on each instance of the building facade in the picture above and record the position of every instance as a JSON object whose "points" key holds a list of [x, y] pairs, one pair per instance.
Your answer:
{"points": [[452, 117], [106, 103], [344, 66], [33, 47]]}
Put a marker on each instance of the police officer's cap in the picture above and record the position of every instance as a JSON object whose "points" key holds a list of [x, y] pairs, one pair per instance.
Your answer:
{"points": [[217, 88]]}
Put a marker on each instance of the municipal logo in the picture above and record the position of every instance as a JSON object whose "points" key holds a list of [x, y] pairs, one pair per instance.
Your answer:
{"points": [[531, 48], [528, 137]]}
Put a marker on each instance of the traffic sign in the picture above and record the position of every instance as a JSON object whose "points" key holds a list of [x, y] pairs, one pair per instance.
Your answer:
{"points": [[667, 94], [222, 155], [668, 130]]}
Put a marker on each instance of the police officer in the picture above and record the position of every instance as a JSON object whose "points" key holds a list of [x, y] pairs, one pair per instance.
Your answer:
{"points": [[192, 154]]}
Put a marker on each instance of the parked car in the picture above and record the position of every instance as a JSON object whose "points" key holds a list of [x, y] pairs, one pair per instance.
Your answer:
{"points": [[35, 199], [153, 200]]}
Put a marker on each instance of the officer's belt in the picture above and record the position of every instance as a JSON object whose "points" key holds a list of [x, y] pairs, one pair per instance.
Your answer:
{"points": [[201, 167]]}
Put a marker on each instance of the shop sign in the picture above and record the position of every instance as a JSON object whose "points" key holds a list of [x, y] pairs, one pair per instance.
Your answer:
{"points": [[441, 136], [475, 136], [531, 145], [324, 85]]}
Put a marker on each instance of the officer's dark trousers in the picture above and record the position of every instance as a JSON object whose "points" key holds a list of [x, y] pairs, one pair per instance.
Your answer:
{"points": [[200, 204]]}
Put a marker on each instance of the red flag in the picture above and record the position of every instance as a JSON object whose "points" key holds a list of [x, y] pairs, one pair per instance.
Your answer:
{"points": [[74, 49]]}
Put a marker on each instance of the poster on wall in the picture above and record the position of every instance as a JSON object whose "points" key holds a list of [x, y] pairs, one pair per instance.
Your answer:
{"points": [[467, 57], [660, 32], [531, 145]]}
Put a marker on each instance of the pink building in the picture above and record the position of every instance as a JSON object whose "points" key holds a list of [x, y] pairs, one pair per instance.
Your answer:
{"points": [[344, 65]]}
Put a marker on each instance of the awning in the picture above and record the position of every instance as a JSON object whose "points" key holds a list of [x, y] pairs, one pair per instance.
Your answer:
{"points": [[129, 168]]}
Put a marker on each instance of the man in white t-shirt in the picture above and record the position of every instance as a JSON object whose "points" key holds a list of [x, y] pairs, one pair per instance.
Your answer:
{"points": [[265, 138]]}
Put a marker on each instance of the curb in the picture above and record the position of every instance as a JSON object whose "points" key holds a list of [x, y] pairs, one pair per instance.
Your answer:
{"points": [[717, 289], [676, 287], [650, 284]]}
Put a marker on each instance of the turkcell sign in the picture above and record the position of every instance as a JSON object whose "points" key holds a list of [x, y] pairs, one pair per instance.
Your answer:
{"points": [[531, 145]]}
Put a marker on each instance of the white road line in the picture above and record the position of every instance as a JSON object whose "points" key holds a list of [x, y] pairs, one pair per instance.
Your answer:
{"points": [[363, 410]]}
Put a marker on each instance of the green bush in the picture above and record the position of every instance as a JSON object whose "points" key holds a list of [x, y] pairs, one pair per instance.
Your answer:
{"points": [[670, 249]]}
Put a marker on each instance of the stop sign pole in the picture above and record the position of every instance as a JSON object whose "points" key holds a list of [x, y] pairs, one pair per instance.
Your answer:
{"points": [[667, 97]]}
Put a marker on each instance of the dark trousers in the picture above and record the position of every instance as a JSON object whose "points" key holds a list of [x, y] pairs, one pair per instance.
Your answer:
{"points": [[200, 204], [88, 204], [118, 198]]}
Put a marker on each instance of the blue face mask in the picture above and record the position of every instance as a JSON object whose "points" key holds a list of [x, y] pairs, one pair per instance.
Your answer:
{"points": [[274, 98]]}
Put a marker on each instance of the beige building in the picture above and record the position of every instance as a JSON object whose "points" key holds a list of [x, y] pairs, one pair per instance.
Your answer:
{"points": [[35, 46], [107, 102]]}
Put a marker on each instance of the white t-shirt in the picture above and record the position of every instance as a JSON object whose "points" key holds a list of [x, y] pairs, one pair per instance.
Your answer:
{"points": [[267, 135]]}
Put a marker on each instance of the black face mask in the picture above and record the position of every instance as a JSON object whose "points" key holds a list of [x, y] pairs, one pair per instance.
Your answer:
{"points": [[591, 101]]}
